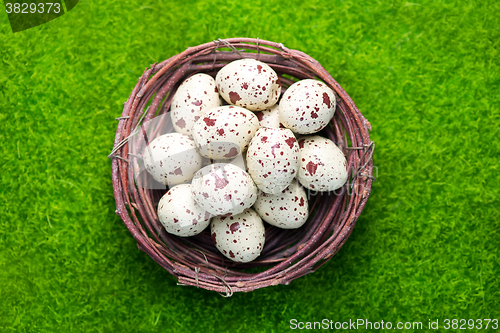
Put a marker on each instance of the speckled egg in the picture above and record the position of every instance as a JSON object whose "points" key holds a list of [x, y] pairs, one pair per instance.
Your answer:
{"points": [[273, 159], [307, 106], [240, 237], [269, 117], [224, 132], [179, 213], [323, 166], [249, 83], [239, 161], [288, 209], [223, 189], [191, 100], [172, 159]]}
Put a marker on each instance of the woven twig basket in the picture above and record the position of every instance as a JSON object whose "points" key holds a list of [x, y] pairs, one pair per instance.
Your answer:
{"points": [[287, 254]]}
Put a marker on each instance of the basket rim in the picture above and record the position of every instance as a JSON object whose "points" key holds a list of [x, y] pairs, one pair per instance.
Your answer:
{"points": [[161, 78]]}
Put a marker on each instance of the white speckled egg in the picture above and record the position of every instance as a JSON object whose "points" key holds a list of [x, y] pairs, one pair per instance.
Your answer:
{"points": [[307, 106], [249, 83], [288, 209], [239, 237], [179, 213], [269, 117], [273, 159], [323, 166], [172, 159], [239, 161], [223, 189], [191, 100], [224, 132]]}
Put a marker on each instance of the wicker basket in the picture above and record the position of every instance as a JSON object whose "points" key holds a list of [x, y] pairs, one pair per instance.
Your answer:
{"points": [[288, 254]]}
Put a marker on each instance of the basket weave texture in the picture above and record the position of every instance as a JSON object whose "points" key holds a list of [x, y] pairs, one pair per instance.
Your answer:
{"points": [[287, 254]]}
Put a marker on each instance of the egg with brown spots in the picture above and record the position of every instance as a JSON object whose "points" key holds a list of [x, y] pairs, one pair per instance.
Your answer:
{"points": [[191, 100], [223, 189], [239, 161], [269, 117], [172, 159], [273, 159], [288, 209], [239, 237], [249, 83], [224, 132], [179, 213], [323, 166], [307, 106]]}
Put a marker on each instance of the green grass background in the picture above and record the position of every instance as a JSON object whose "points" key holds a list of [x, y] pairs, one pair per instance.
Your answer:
{"points": [[425, 73]]}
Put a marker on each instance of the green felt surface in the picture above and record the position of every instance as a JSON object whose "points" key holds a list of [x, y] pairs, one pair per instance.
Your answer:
{"points": [[425, 73]]}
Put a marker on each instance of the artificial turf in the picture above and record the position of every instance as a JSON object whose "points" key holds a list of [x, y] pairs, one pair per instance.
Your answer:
{"points": [[425, 73]]}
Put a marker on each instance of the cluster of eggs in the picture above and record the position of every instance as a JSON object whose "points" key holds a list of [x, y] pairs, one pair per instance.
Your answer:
{"points": [[234, 166]]}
